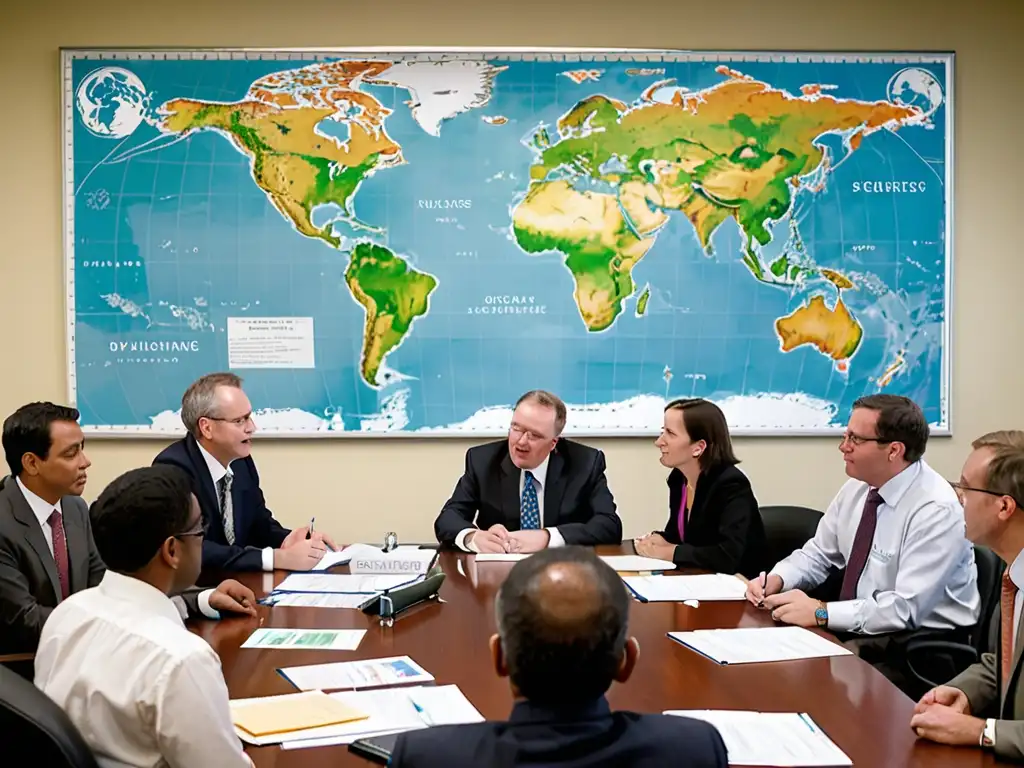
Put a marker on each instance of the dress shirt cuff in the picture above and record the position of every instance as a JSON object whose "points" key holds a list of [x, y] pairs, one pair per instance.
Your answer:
{"points": [[268, 558], [460, 540], [204, 605], [556, 538], [790, 576], [842, 615]]}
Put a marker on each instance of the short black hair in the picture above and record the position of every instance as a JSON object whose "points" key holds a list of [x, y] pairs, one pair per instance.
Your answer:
{"points": [[137, 513], [559, 661], [705, 421], [900, 420], [27, 430]]}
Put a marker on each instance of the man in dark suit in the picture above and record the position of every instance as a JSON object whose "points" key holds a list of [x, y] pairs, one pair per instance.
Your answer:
{"points": [[531, 491], [47, 550], [241, 533], [562, 618]]}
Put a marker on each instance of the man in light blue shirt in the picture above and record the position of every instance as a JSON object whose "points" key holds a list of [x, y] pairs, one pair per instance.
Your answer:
{"points": [[896, 529]]}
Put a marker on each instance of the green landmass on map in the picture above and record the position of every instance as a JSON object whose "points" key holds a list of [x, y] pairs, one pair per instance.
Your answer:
{"points": [[733, 151], [641, 303], [393, 295]]}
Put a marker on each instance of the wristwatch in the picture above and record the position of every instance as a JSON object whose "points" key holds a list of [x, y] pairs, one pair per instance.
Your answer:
{"points": [[988, 736], [821, 614]]}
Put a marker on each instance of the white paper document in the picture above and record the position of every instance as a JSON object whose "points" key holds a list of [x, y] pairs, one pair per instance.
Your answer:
{"points": [[352, 675], [499, 557], [754, 644], [343, 582], [771, 738], [389, 710], [408, 552], [637, 563], [306, 639], [675, 589], [315, 599]]}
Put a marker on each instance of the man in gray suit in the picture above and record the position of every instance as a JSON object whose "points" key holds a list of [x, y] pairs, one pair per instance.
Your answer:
{"points": [[47, 550], [984, 705]]}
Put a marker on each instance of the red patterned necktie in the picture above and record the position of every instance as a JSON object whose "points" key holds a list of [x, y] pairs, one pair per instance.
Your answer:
{"points": [[60, 552], [1007, 595], [861, 546]]}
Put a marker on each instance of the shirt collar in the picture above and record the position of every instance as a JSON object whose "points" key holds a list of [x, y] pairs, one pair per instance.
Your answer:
{"points": [[896, 487], [217, 470], [145, 597], [41, 509], [540, 472], [1017, 570]]}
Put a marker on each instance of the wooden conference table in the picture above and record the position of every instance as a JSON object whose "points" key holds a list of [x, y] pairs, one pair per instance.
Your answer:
{"points": [[856, 706]]}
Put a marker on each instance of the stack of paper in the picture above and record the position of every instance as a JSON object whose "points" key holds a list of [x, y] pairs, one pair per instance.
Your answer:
{"points": [[306, 639], [352, 675], [316, 599], [499, 557], [343, 582], [405, 553], [388, 710], [637, 563], [274, 715], [771, 738], [746, 645], [709, 586]]}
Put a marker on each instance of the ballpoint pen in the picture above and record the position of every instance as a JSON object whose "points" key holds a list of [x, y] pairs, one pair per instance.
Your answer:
{"points": [[421, 712], [309, 531]]}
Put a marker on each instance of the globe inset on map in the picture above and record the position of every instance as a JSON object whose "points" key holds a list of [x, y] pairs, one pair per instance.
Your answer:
{"points": [[112, 102], [917, 88]]}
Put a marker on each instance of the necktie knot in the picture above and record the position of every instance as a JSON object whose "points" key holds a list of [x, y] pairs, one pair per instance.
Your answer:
{"points": [[54, 519], [875, 498]]}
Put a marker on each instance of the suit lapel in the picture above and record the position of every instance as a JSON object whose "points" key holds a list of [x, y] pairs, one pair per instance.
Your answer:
{"points": [[510, 502], [553, 490], [205, 481], [75, 538], [34, 535]]}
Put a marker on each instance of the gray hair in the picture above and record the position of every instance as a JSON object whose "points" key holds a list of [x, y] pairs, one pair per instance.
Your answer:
{"points": [[548, 400], [200, 399]]}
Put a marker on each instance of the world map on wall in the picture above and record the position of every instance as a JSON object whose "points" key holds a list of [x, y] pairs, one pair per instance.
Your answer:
{"points": [[405, 242]]}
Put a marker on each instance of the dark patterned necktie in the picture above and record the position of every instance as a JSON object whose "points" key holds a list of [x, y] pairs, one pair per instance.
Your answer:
{"points": [[529, 511], [861, 545], [60, 552], [227, 514]]}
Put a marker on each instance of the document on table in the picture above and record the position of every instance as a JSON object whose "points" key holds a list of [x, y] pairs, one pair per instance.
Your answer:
{"points": [[306, 639], [771, 738], [389, 710], [352, 675], [499, 557], [343, 582], [754, 644], [637, 563], [707, 586], [315, 599], [406, 552], [274, 716]]}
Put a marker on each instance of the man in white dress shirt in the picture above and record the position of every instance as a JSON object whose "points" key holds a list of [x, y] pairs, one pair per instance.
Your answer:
{"points": [[984, 705], [141, 688], [896, 528]]}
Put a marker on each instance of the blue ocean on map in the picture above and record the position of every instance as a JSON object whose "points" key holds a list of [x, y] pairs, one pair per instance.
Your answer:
{"points": [[172, 240]]}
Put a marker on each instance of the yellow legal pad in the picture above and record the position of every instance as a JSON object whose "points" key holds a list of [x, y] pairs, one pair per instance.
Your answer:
{"points": [[291, 712]]}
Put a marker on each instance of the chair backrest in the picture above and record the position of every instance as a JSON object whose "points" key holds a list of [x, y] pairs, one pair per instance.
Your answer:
{"points": [[32, 724], [990, 574], [787, 528]]}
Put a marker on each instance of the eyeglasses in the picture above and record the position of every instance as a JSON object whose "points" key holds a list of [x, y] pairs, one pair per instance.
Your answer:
{"points": [[200, 531], [531, 436], [238, 422], [854, 439], [961, 490]]}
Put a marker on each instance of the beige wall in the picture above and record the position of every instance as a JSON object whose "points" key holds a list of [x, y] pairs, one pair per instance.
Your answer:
{"points": [[361, 488]]}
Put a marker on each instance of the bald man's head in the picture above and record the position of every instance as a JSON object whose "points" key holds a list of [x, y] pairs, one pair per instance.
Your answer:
{"points": [[562, 619]]}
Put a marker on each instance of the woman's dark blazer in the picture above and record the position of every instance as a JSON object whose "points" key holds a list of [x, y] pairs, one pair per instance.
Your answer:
{"points": [[724, 532]]}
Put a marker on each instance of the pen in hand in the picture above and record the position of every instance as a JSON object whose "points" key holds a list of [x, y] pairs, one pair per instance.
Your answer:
{"points": [[309, 531], [764, 589]]}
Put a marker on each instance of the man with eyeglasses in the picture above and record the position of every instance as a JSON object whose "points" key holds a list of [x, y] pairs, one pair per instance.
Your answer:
{"points": [[47, 551], [984, 705], [241, 533], [531, 491], [896, 532], [141, 689]]}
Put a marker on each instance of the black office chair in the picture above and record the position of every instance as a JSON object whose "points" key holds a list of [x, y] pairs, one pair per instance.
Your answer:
{"points": [[787, 529], [33, 724], [935, 662]]}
